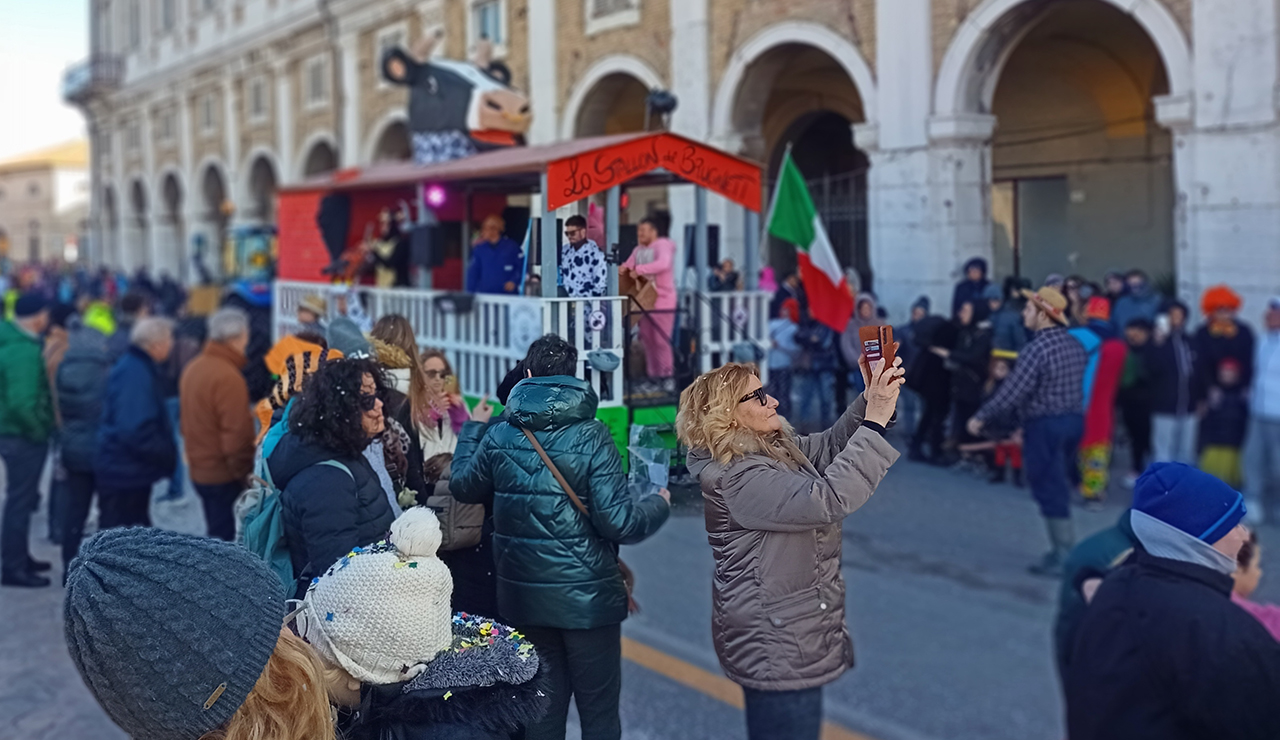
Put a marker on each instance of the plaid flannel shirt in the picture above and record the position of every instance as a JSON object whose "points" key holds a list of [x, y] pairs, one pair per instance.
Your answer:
{"points": [[1047, 381]]}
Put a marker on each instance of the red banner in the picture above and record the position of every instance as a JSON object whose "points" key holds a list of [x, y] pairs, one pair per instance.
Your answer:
{"points": [[593, 172]]}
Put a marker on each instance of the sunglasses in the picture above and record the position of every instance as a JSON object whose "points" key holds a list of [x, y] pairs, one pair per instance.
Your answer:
{"points": [[368, 401], [436, 374], [757, 394]]}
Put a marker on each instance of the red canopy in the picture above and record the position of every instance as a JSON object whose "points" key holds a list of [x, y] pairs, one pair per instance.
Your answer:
{"points": [[574, 169]]}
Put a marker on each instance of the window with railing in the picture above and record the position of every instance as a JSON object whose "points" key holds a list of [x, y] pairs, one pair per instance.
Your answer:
{"points": [[168, 15], [135, 24], [488, 21], [257, 99], [388, 39], [605, 14], [208, 114], [317, 82]]}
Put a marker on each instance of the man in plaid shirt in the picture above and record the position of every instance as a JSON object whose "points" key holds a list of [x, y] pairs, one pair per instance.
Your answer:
{"points": [[1045, 391]]}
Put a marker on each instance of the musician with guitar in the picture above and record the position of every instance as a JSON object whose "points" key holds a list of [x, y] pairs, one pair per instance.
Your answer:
{"points": [[649, 274]]}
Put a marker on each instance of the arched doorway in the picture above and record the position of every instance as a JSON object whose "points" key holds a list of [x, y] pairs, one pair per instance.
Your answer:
{"points": [[262, 191], [209, 250], [322, 158], [799, 96], [171, 198], [138, 202], [1083, 178], [614, 105], [393, 144]]}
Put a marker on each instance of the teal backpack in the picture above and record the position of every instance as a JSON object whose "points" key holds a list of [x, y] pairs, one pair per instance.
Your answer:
{"points": [[262, 517]]}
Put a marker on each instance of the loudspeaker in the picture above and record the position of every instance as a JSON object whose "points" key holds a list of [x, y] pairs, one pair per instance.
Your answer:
{"points": [[691, 245]]}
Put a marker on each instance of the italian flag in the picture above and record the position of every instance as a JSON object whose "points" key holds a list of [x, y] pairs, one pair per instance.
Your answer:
{"points": [[792, 218]]}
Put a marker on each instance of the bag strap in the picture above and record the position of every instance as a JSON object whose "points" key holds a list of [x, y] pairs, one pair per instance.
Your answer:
{"points": [[577, 502], [339, 466]]}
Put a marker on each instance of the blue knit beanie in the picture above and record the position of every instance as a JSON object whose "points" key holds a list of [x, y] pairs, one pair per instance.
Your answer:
{"points": [[1191, 500], [169, 631]]}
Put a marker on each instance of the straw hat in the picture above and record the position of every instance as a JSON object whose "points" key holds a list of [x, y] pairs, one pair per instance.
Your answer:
{"points": [[1051, 301]]}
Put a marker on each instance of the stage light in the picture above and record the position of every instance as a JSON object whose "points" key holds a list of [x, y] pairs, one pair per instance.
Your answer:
{"points": [[435, 196]]}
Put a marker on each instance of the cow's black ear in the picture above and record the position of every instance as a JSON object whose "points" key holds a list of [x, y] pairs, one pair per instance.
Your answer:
{"points": [[499, 72], [398, 67]]}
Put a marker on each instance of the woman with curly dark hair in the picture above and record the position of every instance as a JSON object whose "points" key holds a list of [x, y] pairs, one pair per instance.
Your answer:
{"points": [[331, 496]]}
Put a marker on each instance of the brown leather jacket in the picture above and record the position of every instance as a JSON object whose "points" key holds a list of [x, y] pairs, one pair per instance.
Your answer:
{"points": [[778, 596], [217, 427]]}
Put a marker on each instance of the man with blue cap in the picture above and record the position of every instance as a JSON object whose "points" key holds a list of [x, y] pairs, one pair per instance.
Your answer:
{"points": [[1162, 652]]}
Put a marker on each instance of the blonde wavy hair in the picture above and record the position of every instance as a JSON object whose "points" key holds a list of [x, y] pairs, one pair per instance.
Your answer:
{"points": [[290, 701], [707, 419]]}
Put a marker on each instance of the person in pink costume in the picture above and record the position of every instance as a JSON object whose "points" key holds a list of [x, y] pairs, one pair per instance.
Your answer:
{"points": [[1248, 574], [654, 259]]}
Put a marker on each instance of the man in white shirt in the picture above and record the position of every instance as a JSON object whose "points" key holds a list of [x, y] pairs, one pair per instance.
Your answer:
{"points": [[1262, 446], [583, 270]]}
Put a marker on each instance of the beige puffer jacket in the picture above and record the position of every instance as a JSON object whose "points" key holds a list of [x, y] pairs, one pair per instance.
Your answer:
{"points": [[778, 603]]}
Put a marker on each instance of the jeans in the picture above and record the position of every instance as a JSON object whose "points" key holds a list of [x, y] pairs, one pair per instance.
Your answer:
{"points": [[75, 514], [794, 715], [815, 400], [585, 665], [218, 501], [23, 462], [177, 483], [1049, 452], [1173, 438], [1137, 423], [909, 404], [124, 507], [1261, 463]]}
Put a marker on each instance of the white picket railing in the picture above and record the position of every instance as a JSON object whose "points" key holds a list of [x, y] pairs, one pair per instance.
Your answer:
{"points": [[485, 342], [729, 321]]}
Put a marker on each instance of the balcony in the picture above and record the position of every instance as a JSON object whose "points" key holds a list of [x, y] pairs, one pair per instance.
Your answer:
{"points": [[95, 76]]}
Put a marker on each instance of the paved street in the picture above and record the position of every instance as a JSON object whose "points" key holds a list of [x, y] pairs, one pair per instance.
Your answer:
{"points": [[952, 636]]}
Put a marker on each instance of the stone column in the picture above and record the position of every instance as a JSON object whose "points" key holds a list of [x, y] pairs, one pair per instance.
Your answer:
{"points": [[543, 82], [284, 120], [349, 154], [690, 77], [929, 209], [1226, 154], [191, 194]]}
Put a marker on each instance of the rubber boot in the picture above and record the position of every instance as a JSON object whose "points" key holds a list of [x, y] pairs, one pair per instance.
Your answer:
{"points": [[1062, 537]]}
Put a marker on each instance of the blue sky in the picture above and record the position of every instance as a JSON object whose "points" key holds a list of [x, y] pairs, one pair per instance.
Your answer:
{"points": [[38, 39]]}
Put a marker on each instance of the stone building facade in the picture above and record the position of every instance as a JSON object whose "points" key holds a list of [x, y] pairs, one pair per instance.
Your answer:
{"points": [[44, 203], [1069, 136]]}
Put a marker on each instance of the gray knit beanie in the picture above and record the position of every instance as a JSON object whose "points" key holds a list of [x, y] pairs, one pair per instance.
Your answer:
{"points": [[169, 631], [345, 337]]}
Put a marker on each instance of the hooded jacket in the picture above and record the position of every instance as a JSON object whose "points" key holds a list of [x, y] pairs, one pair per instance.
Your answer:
{"points": [[1095, 557], [327, 511], [136, 445], [26, 408], [556, 566], [1143, 303], [778, 620], [82, 383], [850, 344], [971, 291], [1163, 654]]}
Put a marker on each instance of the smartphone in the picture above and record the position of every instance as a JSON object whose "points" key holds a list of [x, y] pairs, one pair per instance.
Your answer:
{"points": [[451, 384], [877, 343]]}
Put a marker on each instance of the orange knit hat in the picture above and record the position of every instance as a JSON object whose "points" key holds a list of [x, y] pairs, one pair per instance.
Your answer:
{"points": [[1219, 297]]}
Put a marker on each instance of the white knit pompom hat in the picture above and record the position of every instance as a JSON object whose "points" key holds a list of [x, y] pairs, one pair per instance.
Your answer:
{"points": [[382, 612]]}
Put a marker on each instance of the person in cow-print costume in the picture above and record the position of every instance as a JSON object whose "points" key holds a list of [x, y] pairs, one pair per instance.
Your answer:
{"points": [[583, 270]]}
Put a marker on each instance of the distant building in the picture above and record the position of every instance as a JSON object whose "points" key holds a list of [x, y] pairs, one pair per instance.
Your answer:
{"points": [[1046, 135], [44, 203]]}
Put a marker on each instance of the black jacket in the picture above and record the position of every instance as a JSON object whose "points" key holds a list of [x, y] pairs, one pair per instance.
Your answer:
{"points": [[1172, 375], [136, 445], [928, 375], [1163, 654], [1226, 419], [1211, 350], [326, 511], [82, 383], [969, 362]]}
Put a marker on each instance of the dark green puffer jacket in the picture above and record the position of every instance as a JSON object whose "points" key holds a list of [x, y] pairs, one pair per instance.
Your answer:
{"points": [[556, 567]]}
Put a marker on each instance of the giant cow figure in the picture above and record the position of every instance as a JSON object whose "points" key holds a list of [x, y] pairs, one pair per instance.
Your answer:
{"points": [[457, 108]]}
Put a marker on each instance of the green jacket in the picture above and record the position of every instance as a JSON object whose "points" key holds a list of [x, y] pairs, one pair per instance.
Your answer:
{"points": [[25, 408], [1094, 557], [556, 567]]}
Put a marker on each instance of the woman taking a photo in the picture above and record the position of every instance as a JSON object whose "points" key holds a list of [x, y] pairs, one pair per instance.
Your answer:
{"points": [[775, 503]]}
